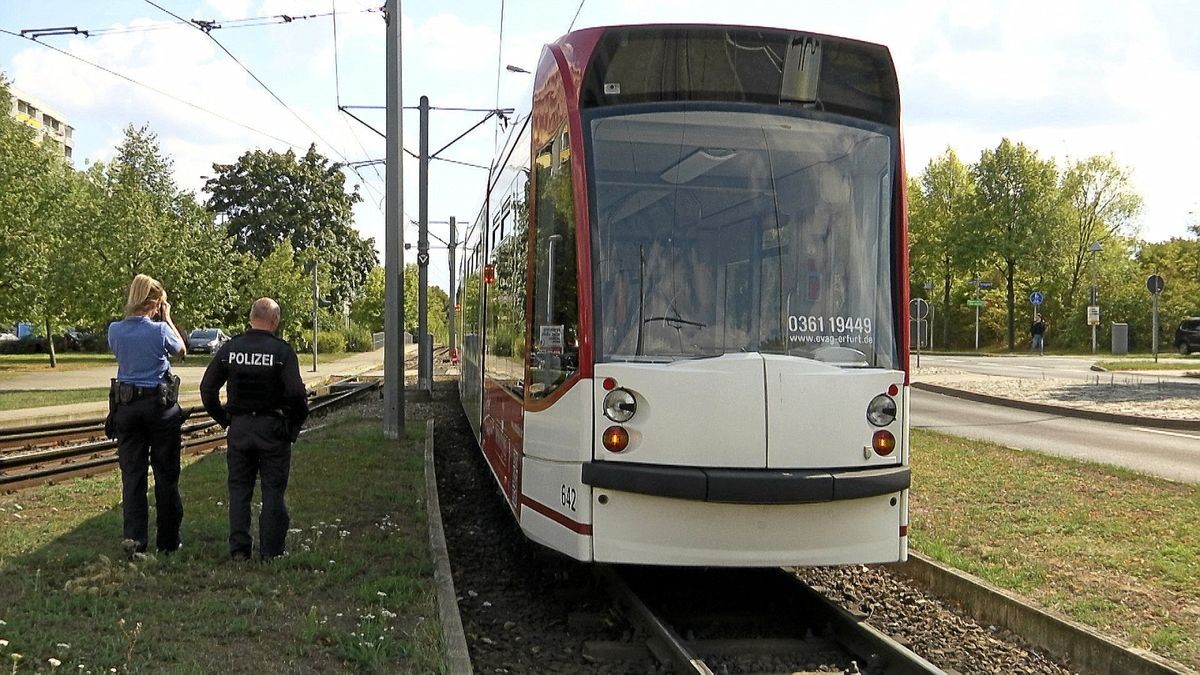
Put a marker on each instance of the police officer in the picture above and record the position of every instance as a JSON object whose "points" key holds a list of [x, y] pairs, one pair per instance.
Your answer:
{"points": [[265, 406], [145, 416]]}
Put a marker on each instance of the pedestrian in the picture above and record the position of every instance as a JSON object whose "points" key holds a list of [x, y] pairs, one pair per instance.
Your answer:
{"points": [[1037, 330], [265, 405], [144, 415]]}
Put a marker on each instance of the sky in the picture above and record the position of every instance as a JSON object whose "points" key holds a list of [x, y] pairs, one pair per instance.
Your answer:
{"points": [[1069, 78]]}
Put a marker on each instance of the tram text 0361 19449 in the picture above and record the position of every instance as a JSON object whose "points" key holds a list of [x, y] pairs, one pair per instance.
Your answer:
{"points": [[684, 330]]}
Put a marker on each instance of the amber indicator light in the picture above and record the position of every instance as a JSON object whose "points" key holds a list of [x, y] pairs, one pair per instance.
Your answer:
{"points": [[883, 442], [616, 439]]}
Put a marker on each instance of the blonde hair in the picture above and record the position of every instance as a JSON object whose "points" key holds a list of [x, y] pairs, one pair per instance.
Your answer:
{"points": [[143, 293]]}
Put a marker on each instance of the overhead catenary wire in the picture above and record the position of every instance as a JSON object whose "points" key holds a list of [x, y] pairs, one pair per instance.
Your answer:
{"points": [[158, 91], [576, 17], [208, 33], [256, 78]]}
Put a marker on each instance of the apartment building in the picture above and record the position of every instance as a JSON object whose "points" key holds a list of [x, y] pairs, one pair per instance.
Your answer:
{"points": [[50, 125]]}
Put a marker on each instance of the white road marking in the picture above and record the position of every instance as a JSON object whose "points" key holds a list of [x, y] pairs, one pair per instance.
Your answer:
{"points": [[1168, 433]]}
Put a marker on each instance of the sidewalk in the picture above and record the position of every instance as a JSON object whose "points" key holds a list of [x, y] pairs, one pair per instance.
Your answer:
{"points": [[98, 378]]}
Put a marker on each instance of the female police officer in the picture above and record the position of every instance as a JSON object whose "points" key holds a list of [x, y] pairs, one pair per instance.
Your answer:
{"points": [[146, 415]]}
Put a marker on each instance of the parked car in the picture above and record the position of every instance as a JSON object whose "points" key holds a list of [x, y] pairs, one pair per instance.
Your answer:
{"points": [[206, 340], [1187, 335]]}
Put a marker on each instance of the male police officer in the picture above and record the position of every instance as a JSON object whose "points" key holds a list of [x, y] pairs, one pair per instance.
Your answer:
{"points": [[266, 405]]}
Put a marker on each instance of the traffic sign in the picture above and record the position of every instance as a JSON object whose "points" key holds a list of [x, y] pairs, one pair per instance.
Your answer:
{"points": [[985, 284], [1093, 315], [975, 303], [422, 259], [919, 308], [1155, 283], [1036, 298]]}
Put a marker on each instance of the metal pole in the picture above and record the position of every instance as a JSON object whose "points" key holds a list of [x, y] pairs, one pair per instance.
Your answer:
{"points": [[393, 253], [1155, 327], [316, 296], [423, 383], [976, 314], [453, 245]]}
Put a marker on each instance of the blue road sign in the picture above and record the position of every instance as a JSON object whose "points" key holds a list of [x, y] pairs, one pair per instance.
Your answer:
{"points": [[1036, 297]]}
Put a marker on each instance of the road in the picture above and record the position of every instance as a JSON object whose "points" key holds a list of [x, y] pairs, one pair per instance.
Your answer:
{"points": [[1174, 455]]}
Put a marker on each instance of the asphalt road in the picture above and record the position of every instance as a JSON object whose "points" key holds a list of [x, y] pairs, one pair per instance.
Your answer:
{"points": [[1174, 455]]}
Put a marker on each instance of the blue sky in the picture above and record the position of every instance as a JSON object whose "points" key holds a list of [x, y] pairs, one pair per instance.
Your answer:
{"points": [[1068, 78]]}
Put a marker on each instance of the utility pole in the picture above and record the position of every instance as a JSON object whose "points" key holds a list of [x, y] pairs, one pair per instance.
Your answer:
{"points": [[393, 254], [316, 311], [424, 358], [453, 246]]}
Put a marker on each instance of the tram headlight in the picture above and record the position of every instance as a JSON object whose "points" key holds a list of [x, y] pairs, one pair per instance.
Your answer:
{"points": [[620, 405], [881, 411]]}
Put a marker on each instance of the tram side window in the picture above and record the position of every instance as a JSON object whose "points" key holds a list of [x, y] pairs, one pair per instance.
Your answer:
{"points": [[555, 353], [506, 338]]}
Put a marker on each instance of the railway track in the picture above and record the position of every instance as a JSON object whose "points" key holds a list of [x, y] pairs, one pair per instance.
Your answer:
{"points": [[707, 621], [39, 454]]}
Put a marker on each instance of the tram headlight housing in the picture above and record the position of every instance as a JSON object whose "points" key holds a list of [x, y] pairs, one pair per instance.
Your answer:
{"points": [[620, 405], [881, 411]]}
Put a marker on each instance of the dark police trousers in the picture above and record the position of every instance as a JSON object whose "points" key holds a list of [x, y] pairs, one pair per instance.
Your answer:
{"points": [[148, 433], [258, 446]]}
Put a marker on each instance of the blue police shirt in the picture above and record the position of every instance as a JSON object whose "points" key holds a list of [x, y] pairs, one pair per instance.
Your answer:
{"points": [[142, 347]]}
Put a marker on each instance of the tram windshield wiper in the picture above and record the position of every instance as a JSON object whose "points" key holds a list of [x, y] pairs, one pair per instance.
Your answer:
{"points": [[675, 321]]}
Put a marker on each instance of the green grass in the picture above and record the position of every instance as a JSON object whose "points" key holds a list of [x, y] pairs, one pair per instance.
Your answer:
{"points": [[354, 593], [1110, 548], [33, 398], [1138, 364]]}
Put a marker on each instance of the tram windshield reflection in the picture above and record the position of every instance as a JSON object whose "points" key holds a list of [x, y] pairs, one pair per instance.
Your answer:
{"points": [[733, 230]]}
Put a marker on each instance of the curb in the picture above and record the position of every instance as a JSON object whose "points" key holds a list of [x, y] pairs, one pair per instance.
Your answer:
{"points": [[1085, 649], [458, 658], [1114, 418]]}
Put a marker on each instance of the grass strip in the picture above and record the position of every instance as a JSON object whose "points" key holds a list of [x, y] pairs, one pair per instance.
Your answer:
{"points": [[20, 399], [355, 591], [1110, 548], [1148, 365]]}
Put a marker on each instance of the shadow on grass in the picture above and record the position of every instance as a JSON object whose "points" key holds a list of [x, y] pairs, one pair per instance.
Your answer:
{"points": [[354, 591]]}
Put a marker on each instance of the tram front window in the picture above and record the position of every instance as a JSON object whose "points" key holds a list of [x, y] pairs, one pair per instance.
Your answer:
{"points": [[737, 231]]}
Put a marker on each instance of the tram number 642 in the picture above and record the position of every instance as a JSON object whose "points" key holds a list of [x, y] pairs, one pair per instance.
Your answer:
{"points": [[568, 496]]}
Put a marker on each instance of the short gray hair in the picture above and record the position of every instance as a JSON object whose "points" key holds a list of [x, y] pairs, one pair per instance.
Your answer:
{"points": [[264, 309]]}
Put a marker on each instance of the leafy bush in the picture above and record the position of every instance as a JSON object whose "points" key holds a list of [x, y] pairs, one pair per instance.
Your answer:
{"points": [[331, 342], [358, 339]]}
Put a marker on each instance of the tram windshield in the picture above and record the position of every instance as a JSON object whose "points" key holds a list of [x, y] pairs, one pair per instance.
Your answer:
{"points": [[733, 230]]}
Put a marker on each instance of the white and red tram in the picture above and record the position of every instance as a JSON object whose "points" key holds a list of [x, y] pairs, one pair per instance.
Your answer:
{"points": [[685, 336]]}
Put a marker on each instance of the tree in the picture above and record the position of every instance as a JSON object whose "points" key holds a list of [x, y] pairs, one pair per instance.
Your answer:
{"points": [[1015, 206], [281, 277], [367, 310], [941, 236], [268, 197], [135, 220], [1100, 203]]}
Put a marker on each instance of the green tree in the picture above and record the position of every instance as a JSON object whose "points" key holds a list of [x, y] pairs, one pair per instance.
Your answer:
{"points": [[135, 220], [367, 309], [1100, 203], [267, 197], [941, 239], [281, 277], [1015, 206]]}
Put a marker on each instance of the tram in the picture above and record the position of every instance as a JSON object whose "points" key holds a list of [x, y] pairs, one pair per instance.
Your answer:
{"points": [[684, 329]]}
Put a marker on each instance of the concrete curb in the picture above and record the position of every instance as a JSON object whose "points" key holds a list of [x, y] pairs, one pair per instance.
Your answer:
{"points": [[1085, 649], [458, 657], [1156, 422]]}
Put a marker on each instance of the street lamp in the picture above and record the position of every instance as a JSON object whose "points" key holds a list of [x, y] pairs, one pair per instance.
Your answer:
{"points": [[1094, 294]]}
